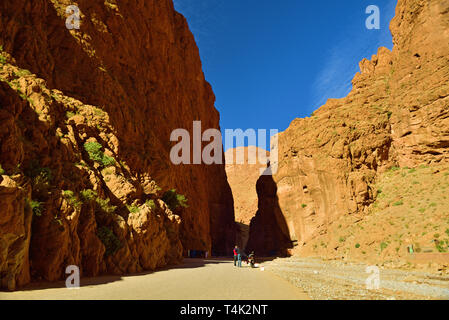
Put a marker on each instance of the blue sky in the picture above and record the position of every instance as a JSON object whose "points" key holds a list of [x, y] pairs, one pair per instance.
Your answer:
{"points": [[270, 62]]}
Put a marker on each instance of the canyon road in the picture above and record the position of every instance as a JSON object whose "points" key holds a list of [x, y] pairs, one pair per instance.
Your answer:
{"points": [[195, 279]]}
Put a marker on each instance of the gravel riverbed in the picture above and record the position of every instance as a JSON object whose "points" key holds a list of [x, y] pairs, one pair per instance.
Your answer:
{"points": [[339, 280]]}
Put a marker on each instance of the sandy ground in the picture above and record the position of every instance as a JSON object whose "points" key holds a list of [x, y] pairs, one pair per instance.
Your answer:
{"points": [[193, 280]]}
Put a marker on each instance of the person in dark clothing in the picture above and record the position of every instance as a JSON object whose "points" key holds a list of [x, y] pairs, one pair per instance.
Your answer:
{"points": [[251, 259], [236, 255], [239, 260]]}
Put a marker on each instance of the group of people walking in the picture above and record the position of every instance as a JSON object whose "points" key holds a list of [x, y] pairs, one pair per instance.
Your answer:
{"points": [[238, 258]]}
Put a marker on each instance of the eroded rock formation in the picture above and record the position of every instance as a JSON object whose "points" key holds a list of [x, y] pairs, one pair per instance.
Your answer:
{"points": [[86, 117], [396, 115]]}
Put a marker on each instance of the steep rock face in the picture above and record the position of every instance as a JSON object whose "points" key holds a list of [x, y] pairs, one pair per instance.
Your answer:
{"points": [[123, 82], [396, 115], [15, 227], [268, 233], [61, 207], [242, 178]]}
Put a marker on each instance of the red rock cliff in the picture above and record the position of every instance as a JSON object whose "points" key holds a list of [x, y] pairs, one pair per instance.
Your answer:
{"points": [[242, 178], [396, 115], [86, 117]]}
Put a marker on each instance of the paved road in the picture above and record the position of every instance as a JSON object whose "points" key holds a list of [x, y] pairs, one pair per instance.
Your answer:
{"points": [[193, 280]]}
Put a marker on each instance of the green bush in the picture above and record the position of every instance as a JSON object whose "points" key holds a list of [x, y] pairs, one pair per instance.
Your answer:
{"points": [[35, 171], [2, 57], [107, 161], [174, 200], [99, 112], [133, 209], [88, 195], [69, 114], [383, 246], [35, 206], [109, 240], [442, 246], [41, 178], [105, 206], [94, 149], [2, 172], [398, 203], [357, 245], [152, 205], [303, 205], [58, 221], [72, 199], [68, 193]]}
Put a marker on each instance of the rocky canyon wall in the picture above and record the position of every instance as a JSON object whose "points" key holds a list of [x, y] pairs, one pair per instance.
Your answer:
{"points": [[86, 117], [395, 115], [242, 177]]}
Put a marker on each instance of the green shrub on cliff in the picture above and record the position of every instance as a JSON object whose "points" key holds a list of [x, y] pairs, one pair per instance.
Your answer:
{"points": [[174, 200], [109, 240], [36, 172], [41, 179], [94, 149], [72, 199], [22, 73], [2, 172], [442, 246], [107, 161], [104, 205], [88, 195], [133, 208], [151, 204], [2, 57], [34, 206], [70, 114]]}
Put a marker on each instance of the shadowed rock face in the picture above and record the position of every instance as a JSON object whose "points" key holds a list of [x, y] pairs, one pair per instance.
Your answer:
{"points": [[269, 234], [396, 115], [125, 80], [242, 176]]}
